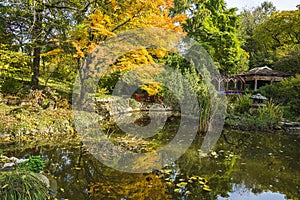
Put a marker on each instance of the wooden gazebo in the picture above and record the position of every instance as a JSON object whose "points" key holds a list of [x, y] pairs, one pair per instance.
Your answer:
{"points": [[251, 80], [260, 76]]}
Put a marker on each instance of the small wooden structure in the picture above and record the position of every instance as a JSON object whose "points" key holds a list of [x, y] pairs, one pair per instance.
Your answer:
{"points": [[251, 80], [229, 85], [258, 100], [260, 76]]}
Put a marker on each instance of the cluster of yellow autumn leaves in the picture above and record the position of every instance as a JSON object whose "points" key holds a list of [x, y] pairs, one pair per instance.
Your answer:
{"points": [[118, 16]]}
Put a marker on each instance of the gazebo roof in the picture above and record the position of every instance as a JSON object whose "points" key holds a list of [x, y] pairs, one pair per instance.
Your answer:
{"points": [[264, 71]]}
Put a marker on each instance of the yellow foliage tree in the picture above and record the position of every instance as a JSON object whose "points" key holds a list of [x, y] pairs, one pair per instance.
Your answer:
{"points": [[116, 16]]}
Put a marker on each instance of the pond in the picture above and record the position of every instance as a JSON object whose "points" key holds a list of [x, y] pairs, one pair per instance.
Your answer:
{"points": [[243, 165]]}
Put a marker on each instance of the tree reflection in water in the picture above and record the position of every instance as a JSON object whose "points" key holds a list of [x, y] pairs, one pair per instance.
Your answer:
{"points": [[241, 164]]}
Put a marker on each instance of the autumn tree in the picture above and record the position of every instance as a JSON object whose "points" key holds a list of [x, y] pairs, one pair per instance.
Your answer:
{"points": [[114, 17]]}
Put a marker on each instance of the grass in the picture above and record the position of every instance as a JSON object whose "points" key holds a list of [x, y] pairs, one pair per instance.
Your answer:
{"points": [[21, 184], [62, 88]]}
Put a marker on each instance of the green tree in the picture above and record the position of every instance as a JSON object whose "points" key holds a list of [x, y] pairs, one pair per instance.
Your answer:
{"points": [[288, 59], [215, 27], [279, 37], [250, 19], [12, 63], [281, 28], [36, 27], [285, 93]]}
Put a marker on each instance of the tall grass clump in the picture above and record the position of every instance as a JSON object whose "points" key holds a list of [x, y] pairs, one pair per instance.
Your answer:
{"points": [[22, 185], [243, 104]]}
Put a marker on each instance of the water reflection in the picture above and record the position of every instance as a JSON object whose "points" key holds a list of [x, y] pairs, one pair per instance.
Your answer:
{"points": [[242, 192], [263, 164], [242, 166]]}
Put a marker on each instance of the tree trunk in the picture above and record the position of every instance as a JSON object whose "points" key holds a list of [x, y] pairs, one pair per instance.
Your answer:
{"points": [[82, 75], [36, 67], [37, 29]]}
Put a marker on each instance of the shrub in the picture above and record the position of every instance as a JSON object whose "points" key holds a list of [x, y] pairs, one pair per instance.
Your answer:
{"points": [[286, 93], [11, 86], [35, 164], [271, 114], [243, 104], [21, 184], [109, 81], [264, 119]]}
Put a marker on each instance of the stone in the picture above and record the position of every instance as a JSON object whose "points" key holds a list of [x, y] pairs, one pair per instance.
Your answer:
{"points": [[8, 165], [44, 179]]}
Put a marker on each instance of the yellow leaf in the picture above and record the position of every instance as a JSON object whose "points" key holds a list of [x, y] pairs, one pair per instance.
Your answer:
{"points": [[201, 182], [177, 190], [206, 188], [182, 184]]}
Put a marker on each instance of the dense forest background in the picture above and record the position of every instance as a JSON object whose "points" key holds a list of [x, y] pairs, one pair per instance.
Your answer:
{"points": [[43, 43]]}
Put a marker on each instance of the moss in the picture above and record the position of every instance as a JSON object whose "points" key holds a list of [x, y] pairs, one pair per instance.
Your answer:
{"points": [[32, 124]]}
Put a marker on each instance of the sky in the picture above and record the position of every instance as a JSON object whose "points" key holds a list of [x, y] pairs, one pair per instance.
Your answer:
{"points": [[280, 4]]}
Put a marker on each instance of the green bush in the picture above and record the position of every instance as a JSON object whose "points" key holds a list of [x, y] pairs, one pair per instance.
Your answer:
{"points": [[275, 92], [109, 81], [35, 164], [21, 184], [243, 104], [263, 119], [271, 112], [285, 93], [11, 86]]}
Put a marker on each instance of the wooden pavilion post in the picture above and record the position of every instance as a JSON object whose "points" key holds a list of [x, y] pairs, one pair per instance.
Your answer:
{"points": [[255, 83]]}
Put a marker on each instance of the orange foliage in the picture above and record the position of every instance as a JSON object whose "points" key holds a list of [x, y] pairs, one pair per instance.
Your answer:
{"points": [[122, 15], [118, 16], [142, 187]]}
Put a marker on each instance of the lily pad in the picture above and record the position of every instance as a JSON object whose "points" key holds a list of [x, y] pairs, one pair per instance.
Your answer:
{"points": [[182, 184], [206, 188], [177, 190]]}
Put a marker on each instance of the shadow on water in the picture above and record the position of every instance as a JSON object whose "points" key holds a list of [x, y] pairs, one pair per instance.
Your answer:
{"points": [[243, 165]]}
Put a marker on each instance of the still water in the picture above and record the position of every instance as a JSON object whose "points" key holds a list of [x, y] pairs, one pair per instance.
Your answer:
{"points": [[243, 165]]}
